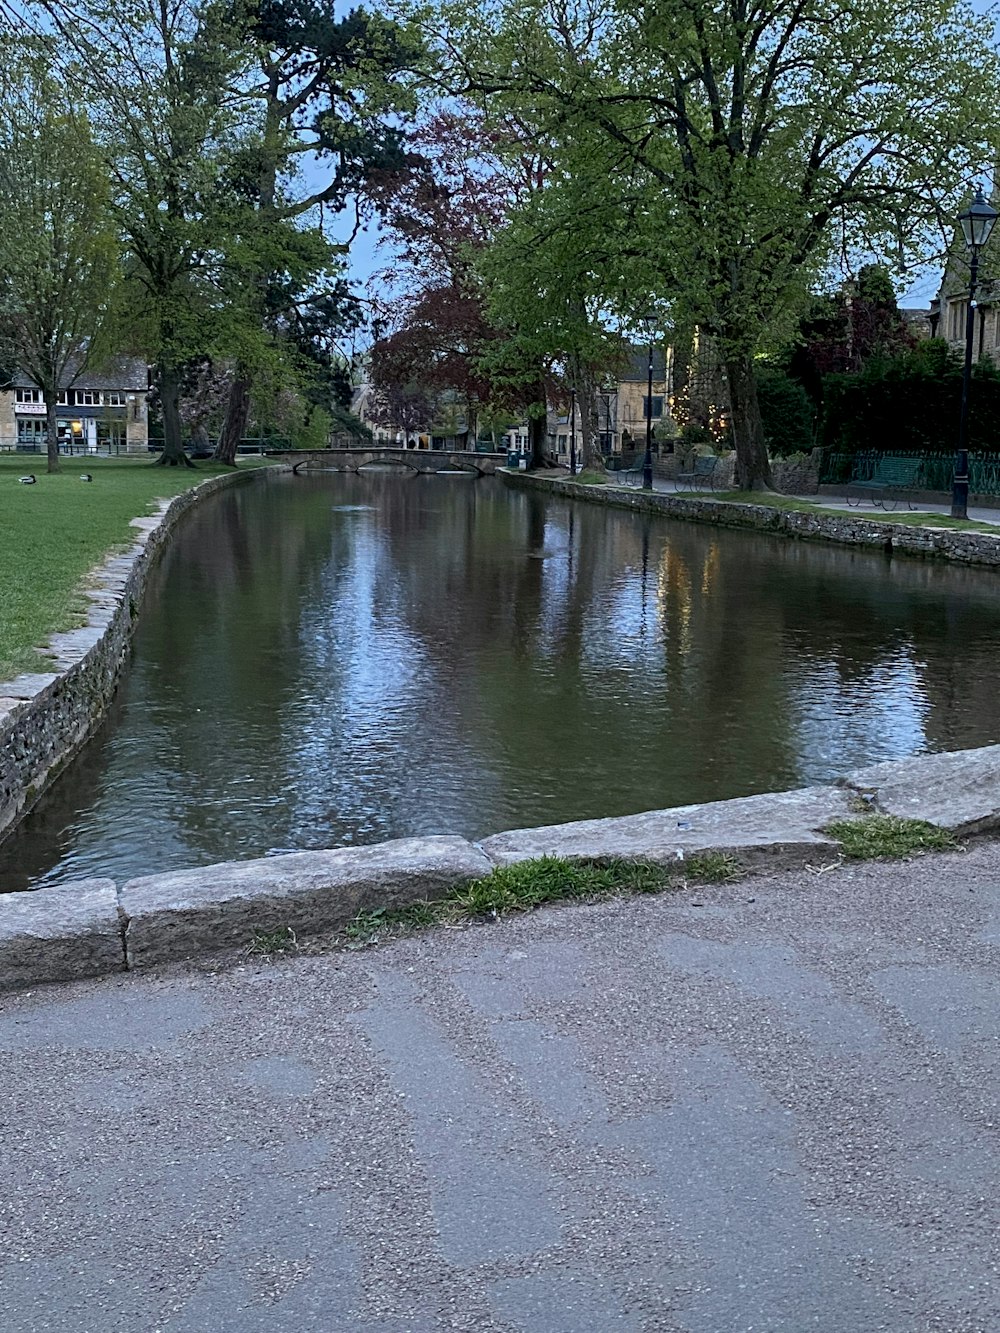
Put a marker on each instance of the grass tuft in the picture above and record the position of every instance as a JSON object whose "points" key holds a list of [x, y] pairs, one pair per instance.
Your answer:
{"points": [[527, 885], [591, 477], [889, 835], [267, 942], [712, 868]]}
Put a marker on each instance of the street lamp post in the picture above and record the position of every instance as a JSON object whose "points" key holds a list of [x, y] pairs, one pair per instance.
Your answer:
{"points": [[647, 463], [977, 222]]}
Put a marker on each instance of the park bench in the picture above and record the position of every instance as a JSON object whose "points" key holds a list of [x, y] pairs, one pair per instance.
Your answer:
{"points": [[892, 481], [700, 476]]}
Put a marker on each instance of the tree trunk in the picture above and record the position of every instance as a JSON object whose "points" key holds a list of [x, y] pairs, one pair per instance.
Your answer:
{"points": [[538, 429], [51, 431], [586, 396], [536, 442], [235, 424], [753, 469], [170, 389]]}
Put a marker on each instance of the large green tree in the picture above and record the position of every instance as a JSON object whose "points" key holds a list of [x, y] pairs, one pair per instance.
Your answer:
{"points": [[333, 92], [748, 144], [159, 80], [59, 256]]}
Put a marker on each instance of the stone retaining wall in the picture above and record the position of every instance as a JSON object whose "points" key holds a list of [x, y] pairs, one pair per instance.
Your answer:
{"points": [[94, 928], [855, 529], [46, 717]]}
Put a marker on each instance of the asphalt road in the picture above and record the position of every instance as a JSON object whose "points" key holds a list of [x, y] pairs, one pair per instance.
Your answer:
{"points": [[770, 1106]]}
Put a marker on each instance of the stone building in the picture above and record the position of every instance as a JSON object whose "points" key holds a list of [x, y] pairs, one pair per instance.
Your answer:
{"points": [[949, 309], [102, 411]]}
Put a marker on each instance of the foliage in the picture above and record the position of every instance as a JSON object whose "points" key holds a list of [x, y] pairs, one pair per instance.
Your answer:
{"points": [[333, 92], [911, 402], [841, 334], [788, 416], [741, 150], [59, 254], [889, 835]]}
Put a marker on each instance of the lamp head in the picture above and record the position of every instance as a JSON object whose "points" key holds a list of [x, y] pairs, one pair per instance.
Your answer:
{"points": [[978, 221]]}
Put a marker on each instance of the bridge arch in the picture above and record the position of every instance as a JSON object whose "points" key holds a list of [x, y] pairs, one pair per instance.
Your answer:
{"points": [[417, 460]]}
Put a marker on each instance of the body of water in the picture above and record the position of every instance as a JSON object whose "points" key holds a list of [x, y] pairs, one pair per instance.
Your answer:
{"points": [[337, 659]]}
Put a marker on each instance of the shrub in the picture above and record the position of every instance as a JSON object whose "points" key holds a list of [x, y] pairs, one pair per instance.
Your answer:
{"points": [[787, 413]]}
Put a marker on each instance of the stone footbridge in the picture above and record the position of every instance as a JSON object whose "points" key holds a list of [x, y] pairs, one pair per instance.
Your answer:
{"points": [[417, 460]]}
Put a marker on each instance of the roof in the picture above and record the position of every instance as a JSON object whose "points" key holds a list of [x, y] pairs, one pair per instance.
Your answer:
{"points": [[121, 372], [637, 367]]}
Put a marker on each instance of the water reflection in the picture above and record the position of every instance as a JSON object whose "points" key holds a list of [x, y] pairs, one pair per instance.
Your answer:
{"points": [[344, 659]]}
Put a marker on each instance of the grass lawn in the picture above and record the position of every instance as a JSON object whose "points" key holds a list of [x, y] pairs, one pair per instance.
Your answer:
{"points": [[912, 519], [54, 533]]}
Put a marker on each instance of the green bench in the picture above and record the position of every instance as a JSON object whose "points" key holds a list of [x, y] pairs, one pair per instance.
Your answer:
{"points": [[891, 482], [699, 477]]}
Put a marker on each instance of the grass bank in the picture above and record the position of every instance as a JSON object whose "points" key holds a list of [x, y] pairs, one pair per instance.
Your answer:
{"points": [[57, 531], [788, 503]]}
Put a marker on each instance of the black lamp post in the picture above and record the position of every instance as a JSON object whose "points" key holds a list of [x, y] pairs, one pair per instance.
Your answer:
{"points": [[647, 463], [977, 222]]}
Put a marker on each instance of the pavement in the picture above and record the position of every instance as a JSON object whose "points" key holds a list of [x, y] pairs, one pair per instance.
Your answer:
{"points": [[770, 1105], [834, 498]]}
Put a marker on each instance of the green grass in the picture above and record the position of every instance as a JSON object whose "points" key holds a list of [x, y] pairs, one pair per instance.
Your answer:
{"points": [[267, 942], [875, 836], [57, 531], [528, 885], [589, 477], [917, 518]]}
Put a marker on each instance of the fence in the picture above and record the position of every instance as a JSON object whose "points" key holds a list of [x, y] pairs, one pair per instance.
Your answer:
{"points": [[936, 469]]}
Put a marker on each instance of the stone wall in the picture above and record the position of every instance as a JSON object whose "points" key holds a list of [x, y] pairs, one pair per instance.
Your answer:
{"points": [[46, 717], [799, 476], [965, 548]]}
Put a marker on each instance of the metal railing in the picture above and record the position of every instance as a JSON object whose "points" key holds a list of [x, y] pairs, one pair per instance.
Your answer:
{"points": [[936, 469]]}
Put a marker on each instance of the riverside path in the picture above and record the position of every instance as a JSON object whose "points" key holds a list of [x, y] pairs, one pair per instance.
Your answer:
{"points": [[770, 1106]]}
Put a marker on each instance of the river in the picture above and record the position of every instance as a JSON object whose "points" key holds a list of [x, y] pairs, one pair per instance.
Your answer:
{"points": [[337, 659]]}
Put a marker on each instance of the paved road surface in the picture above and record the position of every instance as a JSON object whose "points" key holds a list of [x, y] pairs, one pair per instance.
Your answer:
{"points": [[766, 1107]]}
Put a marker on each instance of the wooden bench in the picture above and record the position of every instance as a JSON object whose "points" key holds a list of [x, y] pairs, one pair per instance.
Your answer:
{"points": [[891, 482], [700, 476]]}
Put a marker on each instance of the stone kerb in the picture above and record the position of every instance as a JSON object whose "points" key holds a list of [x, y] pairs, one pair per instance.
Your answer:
{"points": [[757, 828], [63, 934], [86, 929], [46, 717], [188, 912]]}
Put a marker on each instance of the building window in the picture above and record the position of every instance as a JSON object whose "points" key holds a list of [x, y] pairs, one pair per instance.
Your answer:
{"points": [[959, 310], [63, 399], [113, 399], [657, 406], [28, 395], [87, 398]]}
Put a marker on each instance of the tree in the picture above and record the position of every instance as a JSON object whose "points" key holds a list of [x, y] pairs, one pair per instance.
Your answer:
{"points": [[842, 333], [59, 256], [746, 145], [158, 77], [332, 90]]}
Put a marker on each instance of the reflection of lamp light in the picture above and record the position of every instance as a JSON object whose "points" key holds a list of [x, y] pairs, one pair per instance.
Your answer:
{"points": [[76, 427]]}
